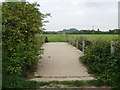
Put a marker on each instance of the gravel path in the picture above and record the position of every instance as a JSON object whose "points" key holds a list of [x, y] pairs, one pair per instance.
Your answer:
{"points": [[61, 62]]}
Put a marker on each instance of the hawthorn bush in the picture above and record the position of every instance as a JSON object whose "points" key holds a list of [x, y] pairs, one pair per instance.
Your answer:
{"points": [[21, 21], [102, 64]]}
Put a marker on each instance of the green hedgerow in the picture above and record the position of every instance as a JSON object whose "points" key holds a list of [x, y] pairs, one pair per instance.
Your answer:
{"points": [[102, 63]]}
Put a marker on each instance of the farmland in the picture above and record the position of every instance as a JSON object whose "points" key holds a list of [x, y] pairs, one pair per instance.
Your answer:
{"points": [[62, 37]]}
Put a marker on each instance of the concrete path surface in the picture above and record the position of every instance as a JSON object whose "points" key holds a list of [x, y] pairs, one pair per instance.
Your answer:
{"points": [[61, 62]]}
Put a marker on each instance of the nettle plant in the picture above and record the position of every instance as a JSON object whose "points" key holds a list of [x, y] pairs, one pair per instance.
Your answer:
{"points": [[21, 21]]}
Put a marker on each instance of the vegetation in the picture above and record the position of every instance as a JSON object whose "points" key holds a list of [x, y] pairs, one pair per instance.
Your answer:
{"points": [[21, 21], [104, 65], [106, 37], [97, 58], [75, 31], [54, 37], [62, 37], [21, 83], [15, 81]]}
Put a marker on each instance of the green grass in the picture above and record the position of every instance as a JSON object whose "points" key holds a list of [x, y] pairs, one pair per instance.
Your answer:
{"points": [[99, 36], [22, 83], [55, 37], [62, 37], [75, 83], [19, 82]]}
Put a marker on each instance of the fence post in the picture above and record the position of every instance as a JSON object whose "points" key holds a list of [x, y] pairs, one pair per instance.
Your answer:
{"points": [[73, 40], [69, 39], [77, 42], [66, 38], [112, 47], [83, 46]]}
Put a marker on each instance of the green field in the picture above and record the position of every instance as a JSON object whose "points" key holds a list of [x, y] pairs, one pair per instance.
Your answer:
{"points": [[62, 37]]}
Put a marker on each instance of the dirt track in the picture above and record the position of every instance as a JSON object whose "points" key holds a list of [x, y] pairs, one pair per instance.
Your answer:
{"points": [[61, 62]]}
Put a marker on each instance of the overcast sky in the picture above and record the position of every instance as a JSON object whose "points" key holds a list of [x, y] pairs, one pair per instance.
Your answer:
{"points": [[80, 14]]}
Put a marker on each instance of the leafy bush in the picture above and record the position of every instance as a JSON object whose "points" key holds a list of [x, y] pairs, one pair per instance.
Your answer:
{"points": [[17, 82], [46, 39], [117, 55], [102, 63], [21, 21]]}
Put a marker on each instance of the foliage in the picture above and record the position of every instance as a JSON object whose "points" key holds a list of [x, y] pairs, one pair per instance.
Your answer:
{"points": [[19, 82], [102, 63], [22, 83], [76, 31], [20, 23], [46, 39], [105, 37], [117, 54]]}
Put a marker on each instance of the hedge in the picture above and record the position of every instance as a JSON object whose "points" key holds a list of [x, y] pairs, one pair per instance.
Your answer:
{"points": [[21, 21], [102, 64]]}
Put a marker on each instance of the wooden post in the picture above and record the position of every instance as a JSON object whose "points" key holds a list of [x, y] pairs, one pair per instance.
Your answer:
{"points": [[83, 46], [77, 42], [66, 38], [112, 47], [71, 40]]}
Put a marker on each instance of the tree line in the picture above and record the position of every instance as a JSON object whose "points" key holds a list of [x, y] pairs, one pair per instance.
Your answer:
{"points": [[76, 31]]}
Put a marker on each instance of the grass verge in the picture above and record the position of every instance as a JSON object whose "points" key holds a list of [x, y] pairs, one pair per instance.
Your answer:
{"points": [[19, 83]]}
